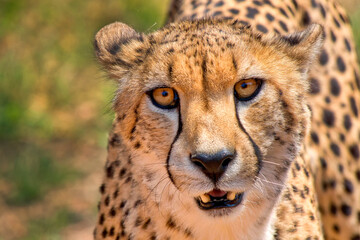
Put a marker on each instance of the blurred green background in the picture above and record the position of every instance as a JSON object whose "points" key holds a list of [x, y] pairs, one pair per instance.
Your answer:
{"points": [[55, 110]]}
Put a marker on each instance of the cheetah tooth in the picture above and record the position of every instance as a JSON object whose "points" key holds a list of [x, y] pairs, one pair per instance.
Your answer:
{"points": [[231, 196], [205, 198]]}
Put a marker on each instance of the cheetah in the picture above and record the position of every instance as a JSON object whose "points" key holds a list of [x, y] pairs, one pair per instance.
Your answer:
{"points": [[236, 120]]}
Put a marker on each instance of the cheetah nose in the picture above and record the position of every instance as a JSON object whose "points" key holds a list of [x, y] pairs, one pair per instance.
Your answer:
{"points": [[213, 165]]}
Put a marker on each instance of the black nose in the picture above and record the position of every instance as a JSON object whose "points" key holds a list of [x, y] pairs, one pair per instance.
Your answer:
{"points": [[213, 165]]}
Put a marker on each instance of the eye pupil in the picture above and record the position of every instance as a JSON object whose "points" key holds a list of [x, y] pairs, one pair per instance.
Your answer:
{"points": [[244, 85], [164, 93]]}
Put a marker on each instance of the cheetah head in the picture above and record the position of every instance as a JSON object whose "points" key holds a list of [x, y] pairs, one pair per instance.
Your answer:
{"points": [[212, 112]]}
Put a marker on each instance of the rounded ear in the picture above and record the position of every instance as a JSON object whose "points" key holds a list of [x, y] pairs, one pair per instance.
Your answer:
{"points": [[118, 48], [303, 46]]}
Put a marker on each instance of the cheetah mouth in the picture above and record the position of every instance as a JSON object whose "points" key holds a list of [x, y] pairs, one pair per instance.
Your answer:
{"points": [[219, 199]]}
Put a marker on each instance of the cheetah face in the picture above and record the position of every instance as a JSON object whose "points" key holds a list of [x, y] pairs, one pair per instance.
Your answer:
{"points": [[204, 107]]}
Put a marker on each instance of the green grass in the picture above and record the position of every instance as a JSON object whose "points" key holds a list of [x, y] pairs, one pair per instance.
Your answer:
{"points": [[355, 23], [32, 173]]}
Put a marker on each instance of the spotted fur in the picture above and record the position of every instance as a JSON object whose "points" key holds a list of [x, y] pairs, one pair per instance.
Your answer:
{"points": [[296, 142]]}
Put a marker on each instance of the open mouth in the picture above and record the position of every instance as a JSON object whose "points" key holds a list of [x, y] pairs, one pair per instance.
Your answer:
{"points": [[219, 199]]}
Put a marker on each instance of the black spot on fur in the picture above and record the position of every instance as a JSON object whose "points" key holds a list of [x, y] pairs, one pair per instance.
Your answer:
{"points": [[283, 12], [357, 79], [153, 236], [234, 11], [332, 183], [347, 44], [107, 200], [347, 122], [170, 223], [335, 149], [251, 12], [323, 163], [333, 209], [291, 10], [340, 64], [295, 4], [342, 137], [116, 193], [194, 4], [122, 204], [114, 49], [137, 203], [101, 219], [353, 106], [305, 20], [122, 172], [327, 99], [219, 4], [313, 4], [217, 13], [314, 86], [357, 236], [110, 171], [269, 17], [146, 224], [324, 58], [104, 233], [102, 188], [115, 140], [306, 172], [112, 212], [354, 151], [346, 209], [340, 168], [332, 35], [257, 3], [283, 26], [336, 22], [348, 186], [322, 10], [261, 28], [328, 117], [112, 231], [138, 221], [334, 87], [137, 145], [314, 137]]}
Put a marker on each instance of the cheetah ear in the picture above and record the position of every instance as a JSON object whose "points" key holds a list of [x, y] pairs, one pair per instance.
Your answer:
{"points": [[304, 46], [119, 48]]}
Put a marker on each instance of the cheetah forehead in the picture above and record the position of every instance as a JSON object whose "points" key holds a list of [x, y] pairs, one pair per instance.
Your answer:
{"points": [[219, 47]]}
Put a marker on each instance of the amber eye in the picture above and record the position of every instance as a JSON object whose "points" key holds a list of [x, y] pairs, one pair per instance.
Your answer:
{"points": [[247, 89], [164, 97]]}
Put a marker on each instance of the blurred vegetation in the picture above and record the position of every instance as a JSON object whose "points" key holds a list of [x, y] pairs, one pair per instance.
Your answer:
{"points": [[53, 98], [54, 101]]}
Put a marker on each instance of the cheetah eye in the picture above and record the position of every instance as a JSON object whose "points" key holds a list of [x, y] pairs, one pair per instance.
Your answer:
{"points": [[164, 97], [247, 89]]}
